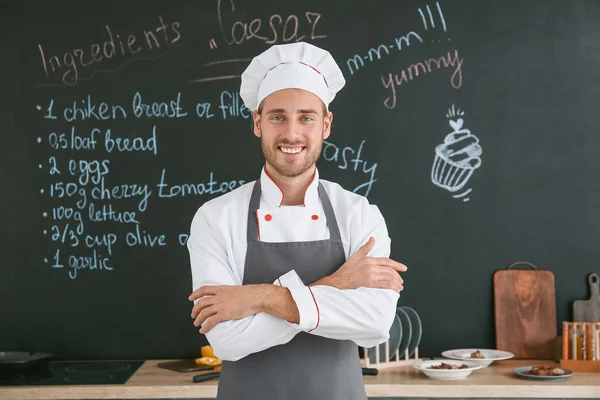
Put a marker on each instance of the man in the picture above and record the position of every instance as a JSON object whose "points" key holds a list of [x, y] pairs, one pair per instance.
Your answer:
{"points": [[291, 272]]}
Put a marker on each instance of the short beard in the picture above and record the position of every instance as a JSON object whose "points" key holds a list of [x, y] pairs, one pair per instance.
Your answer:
{"points": [[313, 155]]}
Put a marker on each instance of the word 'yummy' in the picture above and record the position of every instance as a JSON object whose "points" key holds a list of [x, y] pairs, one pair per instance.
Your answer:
{"points": [[425, 67]]}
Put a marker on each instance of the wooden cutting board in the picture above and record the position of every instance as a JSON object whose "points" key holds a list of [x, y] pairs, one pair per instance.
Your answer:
{"points": [[589, 310], [525, 312]]}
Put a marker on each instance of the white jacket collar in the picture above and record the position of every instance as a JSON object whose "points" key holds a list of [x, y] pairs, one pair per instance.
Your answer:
{"points": [[272, 195]]}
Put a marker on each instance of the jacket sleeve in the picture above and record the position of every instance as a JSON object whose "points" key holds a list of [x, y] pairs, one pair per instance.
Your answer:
{"points": [[363, 315], [231, 340]]}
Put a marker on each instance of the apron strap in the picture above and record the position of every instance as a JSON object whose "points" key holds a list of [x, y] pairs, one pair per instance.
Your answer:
{"points": [[254, 206], [252, 233], [334, 230]]}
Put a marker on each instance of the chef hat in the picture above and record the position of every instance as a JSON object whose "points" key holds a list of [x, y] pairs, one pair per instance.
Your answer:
{"points": [[296, 65]]}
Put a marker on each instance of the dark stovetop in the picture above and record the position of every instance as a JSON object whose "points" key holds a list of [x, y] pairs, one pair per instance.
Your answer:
{"points": [[72, 373]]}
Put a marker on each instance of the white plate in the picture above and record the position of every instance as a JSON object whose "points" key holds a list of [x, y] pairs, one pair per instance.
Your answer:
{"points": [[521, 373], [446, 374], [490, 355]]}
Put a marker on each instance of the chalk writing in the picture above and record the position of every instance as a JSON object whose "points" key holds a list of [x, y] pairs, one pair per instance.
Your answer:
{"points": [[105, 213], [143, 238], [88, 171], [183, 238], [232, 106], [166, 190], [357, 61], [171, 109], [122, 191], [348, 158], [53, 166], [430, 23], [117, 47], [72, 141], [93, 262], [215, 78], [284, 29], [223, 77], [131, 144], [103, 240], [56, 259], [203, 110], [392, 81], [94, 206], [65, 235], [49, 115], [399, 43], [69, 214], [87, 110], [68, 189]]}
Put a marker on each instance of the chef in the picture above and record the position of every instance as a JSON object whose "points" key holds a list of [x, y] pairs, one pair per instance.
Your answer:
{"points": [[291, 273]]}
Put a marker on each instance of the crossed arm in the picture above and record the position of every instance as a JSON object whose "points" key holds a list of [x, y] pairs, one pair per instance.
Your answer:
{"points": [[355, 303]]}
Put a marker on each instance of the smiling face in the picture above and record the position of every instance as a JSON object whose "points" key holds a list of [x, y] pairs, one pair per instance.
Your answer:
{"points": [[292, 124]]}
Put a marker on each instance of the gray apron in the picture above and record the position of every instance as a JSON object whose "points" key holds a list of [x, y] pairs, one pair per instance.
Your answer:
{"points": [[309, 367]]}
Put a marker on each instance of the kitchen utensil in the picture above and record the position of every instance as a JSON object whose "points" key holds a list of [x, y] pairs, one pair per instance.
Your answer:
{"points": [[589, 310], [208, 376], [370, 371], [525, 311]]}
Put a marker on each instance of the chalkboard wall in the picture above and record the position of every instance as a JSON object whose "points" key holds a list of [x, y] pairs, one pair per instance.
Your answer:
{"points": [[473, 125]]}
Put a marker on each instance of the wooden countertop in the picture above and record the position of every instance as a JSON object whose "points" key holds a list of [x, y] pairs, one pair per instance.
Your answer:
{"points": [[151, 382]]}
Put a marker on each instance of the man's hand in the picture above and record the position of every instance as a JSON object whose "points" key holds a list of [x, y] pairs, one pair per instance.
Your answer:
{"points": [[225, 303], [363, 271]]}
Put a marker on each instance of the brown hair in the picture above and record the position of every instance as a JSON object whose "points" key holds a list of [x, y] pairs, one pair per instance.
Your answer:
{"points": [[260, 109]]}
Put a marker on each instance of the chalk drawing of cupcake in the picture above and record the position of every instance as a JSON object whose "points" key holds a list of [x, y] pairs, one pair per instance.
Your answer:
{"points": [[457, 158]]}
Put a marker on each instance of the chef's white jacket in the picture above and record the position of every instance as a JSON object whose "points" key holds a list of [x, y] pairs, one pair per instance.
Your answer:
{"points": [[217, 247]]}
